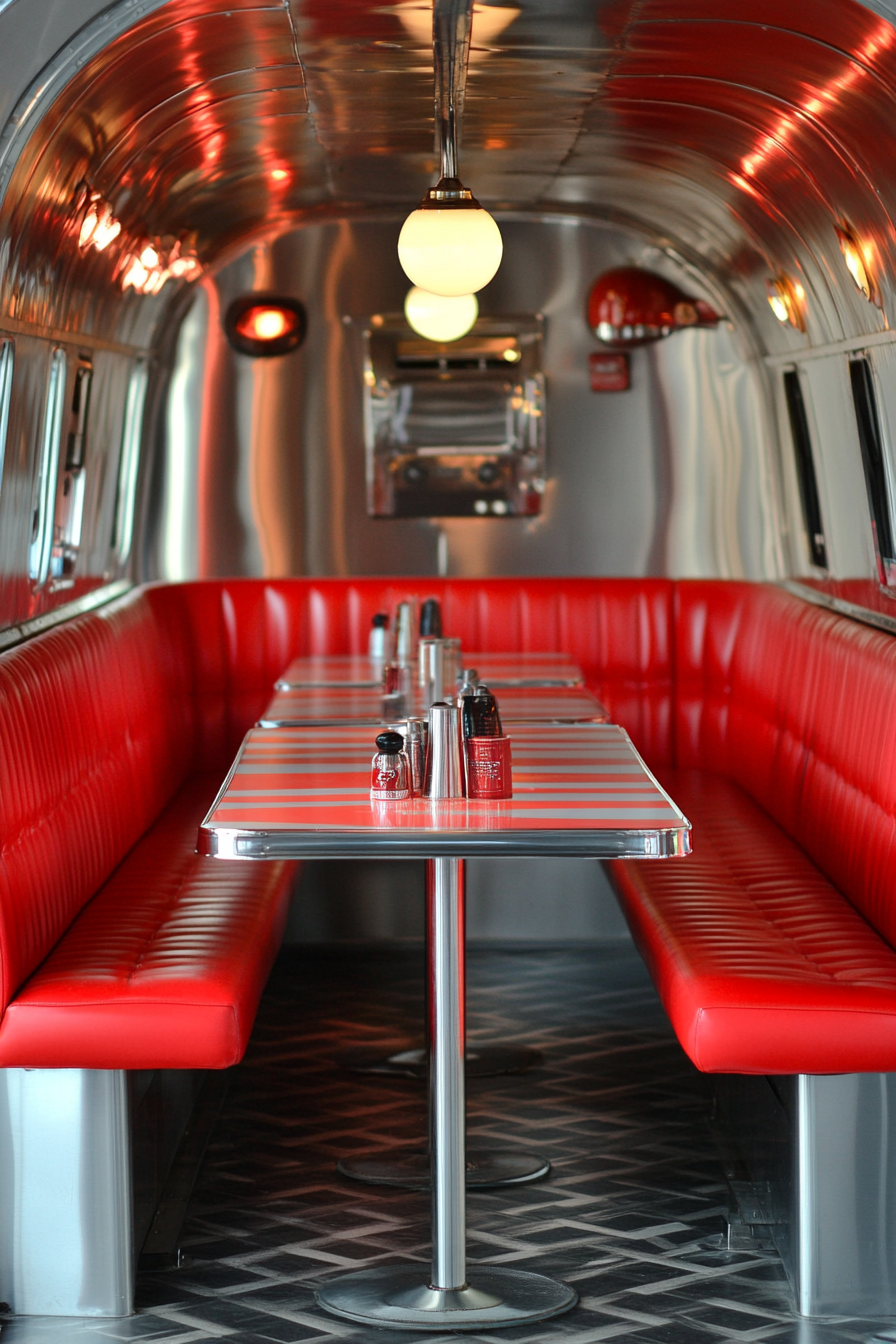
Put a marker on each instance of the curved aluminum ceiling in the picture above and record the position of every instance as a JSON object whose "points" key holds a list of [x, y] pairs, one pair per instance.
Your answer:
{"points": [[742, 132]]}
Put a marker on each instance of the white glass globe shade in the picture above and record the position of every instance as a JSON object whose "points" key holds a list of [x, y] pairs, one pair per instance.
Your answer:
{"points": [[450, 252], [438, 318]]}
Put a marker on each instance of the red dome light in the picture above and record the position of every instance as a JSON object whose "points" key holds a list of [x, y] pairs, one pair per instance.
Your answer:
{"points": [[264, 325], [629, 307]]}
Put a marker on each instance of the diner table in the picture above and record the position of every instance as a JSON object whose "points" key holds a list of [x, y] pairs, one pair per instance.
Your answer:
{"points": [[343, 705], [579, 790], [486, 1168], [498, 670]]}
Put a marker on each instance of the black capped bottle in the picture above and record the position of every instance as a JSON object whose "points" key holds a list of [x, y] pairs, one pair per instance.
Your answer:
{"points": [[390, 775]]}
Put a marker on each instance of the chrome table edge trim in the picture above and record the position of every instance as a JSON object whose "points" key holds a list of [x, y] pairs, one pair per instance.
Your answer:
{"points": [[222, 843]]}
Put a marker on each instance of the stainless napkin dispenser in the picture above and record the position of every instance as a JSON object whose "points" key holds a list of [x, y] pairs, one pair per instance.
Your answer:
{"points": [[458, 429]]}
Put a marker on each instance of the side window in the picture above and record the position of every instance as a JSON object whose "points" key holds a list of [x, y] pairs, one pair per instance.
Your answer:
{"points": [[48, 469], [7, 361], [875, 466], [805, 468], [123, 533], [70, 499]]}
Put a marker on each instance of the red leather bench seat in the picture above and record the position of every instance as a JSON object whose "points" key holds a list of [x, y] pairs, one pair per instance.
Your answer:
{"points": [[164, 967], [119, 946], [772, 945], [772, 722]]}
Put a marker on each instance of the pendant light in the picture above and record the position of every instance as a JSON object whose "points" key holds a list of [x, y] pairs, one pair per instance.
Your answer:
{"points": [[437, 318], [450, 246]]}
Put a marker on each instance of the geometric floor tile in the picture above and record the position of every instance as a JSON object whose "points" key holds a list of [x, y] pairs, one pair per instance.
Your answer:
{"points": [[631, 1214]]}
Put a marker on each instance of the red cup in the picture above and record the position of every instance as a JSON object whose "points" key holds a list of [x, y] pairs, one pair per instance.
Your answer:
{"points": [[488, 768]]}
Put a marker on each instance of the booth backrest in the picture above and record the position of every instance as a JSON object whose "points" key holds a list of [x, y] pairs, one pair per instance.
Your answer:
{"points": [[245, 631], [102, 719], [798, 706], [96, 733]]}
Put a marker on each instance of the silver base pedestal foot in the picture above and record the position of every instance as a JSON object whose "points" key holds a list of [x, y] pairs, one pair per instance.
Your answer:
{"points": [[400, 1298], [482, 1061], [410, 1170]]}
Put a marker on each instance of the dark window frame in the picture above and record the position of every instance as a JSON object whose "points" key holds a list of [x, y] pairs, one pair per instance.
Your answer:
{"points": [[874, 465], [805, 468]]}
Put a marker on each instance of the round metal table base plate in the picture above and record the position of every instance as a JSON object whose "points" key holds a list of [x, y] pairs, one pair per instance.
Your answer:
{"points": [[482, 1061], [400, 1298], [410, 1170]]}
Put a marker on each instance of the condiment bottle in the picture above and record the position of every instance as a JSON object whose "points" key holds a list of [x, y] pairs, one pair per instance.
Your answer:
{"points": [[390, 775], [415, 747], [469, 679], [480, 714], [431, 618], [404, 640], [379, 643], [486, 749]]}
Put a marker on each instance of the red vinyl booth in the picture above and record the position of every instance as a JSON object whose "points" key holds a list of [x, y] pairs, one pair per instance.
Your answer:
{"points": [[769, 719]]}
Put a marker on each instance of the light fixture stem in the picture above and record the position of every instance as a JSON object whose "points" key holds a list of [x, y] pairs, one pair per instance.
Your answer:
{"points": [[452, 22]]}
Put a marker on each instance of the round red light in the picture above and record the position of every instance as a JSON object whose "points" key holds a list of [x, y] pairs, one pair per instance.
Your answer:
{"points": [[264, 325]]}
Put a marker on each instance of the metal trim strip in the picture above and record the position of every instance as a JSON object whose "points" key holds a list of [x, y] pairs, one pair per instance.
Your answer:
{"points": [[18, 634], [218, 843], [839, 605]]}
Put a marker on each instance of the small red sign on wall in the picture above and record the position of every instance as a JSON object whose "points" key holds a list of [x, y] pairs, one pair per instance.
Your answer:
{"points": [[609, 373]]}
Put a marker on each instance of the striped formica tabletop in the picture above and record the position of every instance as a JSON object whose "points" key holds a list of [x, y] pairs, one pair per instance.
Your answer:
{"points": [[497, 669], [343, 705], [579, 791]]}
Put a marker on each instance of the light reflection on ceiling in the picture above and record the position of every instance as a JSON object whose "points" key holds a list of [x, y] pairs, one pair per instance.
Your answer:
{"points": [[744, 133]]}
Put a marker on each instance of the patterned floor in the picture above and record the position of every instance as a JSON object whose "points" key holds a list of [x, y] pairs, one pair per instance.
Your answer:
{"points": [[632, 1214]]}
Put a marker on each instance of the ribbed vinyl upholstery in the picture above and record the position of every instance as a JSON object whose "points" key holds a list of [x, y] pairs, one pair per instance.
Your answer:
{"points": [[761, 964], [164, 966], [764, 943], [245, 631], [772, 722], [95, 736], [98, 732]]}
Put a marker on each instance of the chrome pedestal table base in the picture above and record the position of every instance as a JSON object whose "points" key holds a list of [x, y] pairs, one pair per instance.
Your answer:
{"points": [[396, 1298], [403, 1297], [410, 1169], [482, 1061]]}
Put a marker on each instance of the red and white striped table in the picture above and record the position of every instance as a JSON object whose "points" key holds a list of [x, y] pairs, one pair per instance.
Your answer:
{"points": [[344, 705], [578, 790]]}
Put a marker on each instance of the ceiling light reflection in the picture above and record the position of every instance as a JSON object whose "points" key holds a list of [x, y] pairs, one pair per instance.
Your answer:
{"points": [[489, 21], [858, 258], [787, 300]]}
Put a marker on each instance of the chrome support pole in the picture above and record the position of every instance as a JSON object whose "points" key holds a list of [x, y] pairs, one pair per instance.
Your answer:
{"points": [[452, 23], [447, 1094], [394, 1296]]}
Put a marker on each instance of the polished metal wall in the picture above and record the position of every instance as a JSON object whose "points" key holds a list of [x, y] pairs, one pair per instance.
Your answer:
{"points": [[264, 459]]}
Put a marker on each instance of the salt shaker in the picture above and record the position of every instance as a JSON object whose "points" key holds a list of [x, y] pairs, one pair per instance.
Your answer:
{"points": [[415, 746], [390, 775]]}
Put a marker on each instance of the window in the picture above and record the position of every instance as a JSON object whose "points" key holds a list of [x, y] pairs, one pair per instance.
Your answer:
{"points": [[875, 466], [48, 469], [130, 457], [805, 468], [7, 360], [70, 502]]}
